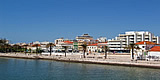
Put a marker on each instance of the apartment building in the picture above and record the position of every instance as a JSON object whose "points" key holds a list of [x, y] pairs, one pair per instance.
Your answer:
{"points": [[102, 39], [84, 37], [62, 42], [131, 37]]}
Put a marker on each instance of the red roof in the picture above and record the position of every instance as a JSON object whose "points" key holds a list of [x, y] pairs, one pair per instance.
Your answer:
{"points": [[34, 45], [155, 48], [93, 45], [68, 42], [145, 42]]}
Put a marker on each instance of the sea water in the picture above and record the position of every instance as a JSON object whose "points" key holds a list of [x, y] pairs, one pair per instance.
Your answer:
{"points": [[27, 69]]}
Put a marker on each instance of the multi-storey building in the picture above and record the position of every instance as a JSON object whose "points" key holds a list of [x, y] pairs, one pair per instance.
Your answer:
{"points": [[116, 45], [84, 37], [62, 42], [131, 37], [102, 39], [59, 41]]}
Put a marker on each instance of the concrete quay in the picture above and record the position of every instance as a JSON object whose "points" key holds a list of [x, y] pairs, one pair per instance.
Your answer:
{"points": [[118, 60]]}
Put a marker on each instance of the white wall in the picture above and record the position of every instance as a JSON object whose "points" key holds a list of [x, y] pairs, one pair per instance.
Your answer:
{"points": [[154, 54]]}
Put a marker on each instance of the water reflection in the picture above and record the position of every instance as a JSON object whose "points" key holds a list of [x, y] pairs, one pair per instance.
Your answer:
{"points": [[22, 69]]}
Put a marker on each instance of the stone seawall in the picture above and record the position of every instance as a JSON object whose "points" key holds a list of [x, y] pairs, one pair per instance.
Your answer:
{"points": [[86, 60]]}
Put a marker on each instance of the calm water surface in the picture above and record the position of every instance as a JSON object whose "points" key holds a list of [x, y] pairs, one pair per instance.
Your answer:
{"points": [[24, 69]]}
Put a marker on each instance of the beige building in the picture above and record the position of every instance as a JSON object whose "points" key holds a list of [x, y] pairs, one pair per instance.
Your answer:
{"points": [[84, 37]]}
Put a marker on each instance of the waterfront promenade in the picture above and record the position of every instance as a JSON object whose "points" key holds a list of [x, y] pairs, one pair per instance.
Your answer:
{"points": [[112, 59]]}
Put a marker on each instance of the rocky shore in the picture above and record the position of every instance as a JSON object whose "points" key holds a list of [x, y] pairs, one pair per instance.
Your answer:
{"points": [[118, 60]]}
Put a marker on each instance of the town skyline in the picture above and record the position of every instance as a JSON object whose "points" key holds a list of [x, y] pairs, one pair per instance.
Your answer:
{"points": [[73, 37]]}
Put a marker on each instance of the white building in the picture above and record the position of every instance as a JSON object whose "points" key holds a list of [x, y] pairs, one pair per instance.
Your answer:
{"points": [[154, 53], [92, 48], [131, 37], [63, 42], [116, 45], [96, 48], [44, 43], [102, 39], [36, 42], [144, 47]]}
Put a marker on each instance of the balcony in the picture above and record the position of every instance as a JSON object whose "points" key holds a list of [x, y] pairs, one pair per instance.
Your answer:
{"points": [[139, 40], [139, 37], [114, 46], [146, 36], [146, 40], [131, 37], [131, 40], [154, 40]]}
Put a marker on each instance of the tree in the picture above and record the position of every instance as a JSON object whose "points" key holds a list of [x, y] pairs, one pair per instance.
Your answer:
{"points": [[4, 45], [15, 47], [106, 48], [65, 49], [3, 41], [37, 49], [25, 48], [50, 45], [131, 47], [84, 45], [30, 50]]}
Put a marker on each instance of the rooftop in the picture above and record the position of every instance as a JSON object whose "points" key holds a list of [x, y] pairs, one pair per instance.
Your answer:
{"points": [[68, 42], [146, 42], [85, 35], [93, 44], [155, 48]]}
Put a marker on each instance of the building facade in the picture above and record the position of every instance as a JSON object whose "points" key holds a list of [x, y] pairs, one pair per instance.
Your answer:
{"points": [[84, 37], [92, 48], [119, 43], [61, 42], [102, 39]]}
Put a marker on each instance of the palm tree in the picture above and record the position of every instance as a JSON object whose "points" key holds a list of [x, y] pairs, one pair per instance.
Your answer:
{"points": [[132, 47], [3, 41], [106, 48], [84, 45], [50, 45], [30, 50], [36, 45], [65, 49], [15, 47], [25, 48], [4, 45]]}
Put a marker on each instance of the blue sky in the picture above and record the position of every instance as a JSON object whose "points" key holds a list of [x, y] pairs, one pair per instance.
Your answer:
{"points": [[46, 20]]}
